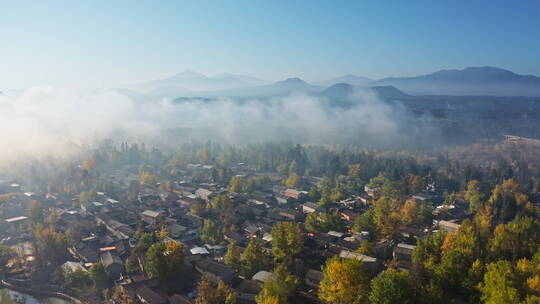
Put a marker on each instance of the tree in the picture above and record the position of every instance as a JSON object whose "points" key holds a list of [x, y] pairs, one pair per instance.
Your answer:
{"points": [[325, 202], [35, 212], [387, 218], [164, 260], [77, 279], [211, 233], [208, 294], [429, 250], [392, 286], [49, 245], [279, 287], [269, 300], [332, 221], [312, 223], [474, 196], [314, 194], [410, 212], [416, 213], [507, 200], [355, 171], [145, 241], [89, 163], [236, 184], [86, 196], [120, 296], [147, 178], [451, 271], [516, 239], [345, 281], [204, 156], [471, 282], [325, 185], [366, 222], [287, 241], [253, 258], [98, 275], [6, 254], [413, 184], [293, 181], [464, 240], [222, 202], [501, 284], [74, 233], [337, 193], [365, 248], [233, 257]]}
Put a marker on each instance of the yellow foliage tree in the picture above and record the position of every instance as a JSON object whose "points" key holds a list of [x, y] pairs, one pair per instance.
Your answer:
{"points": [[345, 281], [293, 181], [147, 178]]}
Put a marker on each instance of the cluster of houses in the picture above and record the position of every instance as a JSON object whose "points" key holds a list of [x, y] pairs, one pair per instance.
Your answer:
{"points": [[116, 220]]}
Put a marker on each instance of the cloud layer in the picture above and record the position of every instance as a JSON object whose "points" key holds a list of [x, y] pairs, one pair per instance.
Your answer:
{"points": [[40, 120]]}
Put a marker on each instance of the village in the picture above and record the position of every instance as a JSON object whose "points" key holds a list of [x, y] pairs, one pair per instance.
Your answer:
{"points": [[214, 222]]}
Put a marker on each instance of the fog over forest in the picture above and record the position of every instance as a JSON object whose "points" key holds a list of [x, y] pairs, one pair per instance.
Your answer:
{"points": [[42, 120]]}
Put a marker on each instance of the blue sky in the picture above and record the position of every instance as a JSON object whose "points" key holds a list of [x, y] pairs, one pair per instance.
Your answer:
{"points": [[110, 43]]}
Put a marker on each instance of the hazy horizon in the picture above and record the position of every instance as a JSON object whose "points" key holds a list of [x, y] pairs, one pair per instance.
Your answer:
{"points": [[103, 45]]}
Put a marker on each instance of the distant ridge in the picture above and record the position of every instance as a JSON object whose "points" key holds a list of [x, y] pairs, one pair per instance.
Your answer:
{"points": [[195, 81], [349, 78], [486, 81], [471, 81]]}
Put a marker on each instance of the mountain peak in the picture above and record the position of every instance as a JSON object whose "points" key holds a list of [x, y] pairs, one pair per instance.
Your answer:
{"points": [[188, 74], [291, 81], [347, 78]]}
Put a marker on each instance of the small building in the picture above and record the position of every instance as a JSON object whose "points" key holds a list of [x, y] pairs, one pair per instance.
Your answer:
{"points": [[403, 252], [252, 230], [372, 191], [176, 230], [371, 263], [188, 201], [294, 194], [290, 214], [204, 194], [113, 264], [449, 226], [282, 199], [215, 271], [170, 197], [383, 248], [235, 237], [310, 207], [152, 217], [199, 251], [148, 296]]}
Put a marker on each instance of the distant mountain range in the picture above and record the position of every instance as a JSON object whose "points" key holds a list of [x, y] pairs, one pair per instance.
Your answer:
{"points": [[472, 81], [486, 81], [194, 81]]}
